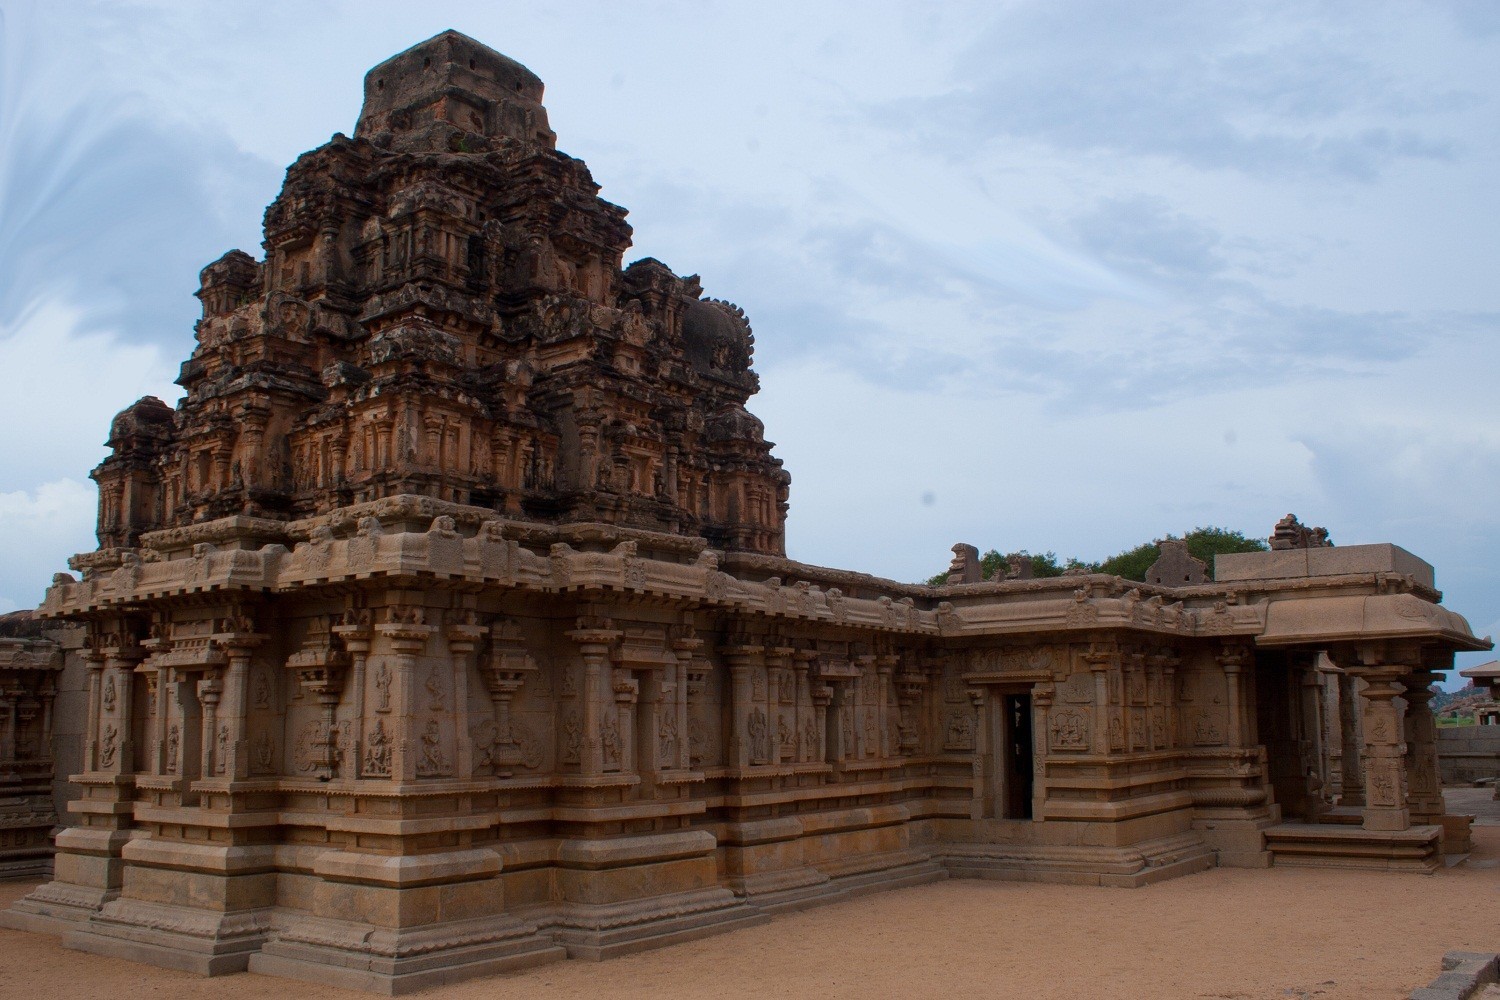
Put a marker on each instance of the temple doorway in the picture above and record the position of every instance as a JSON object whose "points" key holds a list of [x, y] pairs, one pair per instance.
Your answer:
{"points": [[1017, 764]]}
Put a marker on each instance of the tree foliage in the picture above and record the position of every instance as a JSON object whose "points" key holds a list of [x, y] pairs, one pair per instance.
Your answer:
{"points": [[1203, 543]]}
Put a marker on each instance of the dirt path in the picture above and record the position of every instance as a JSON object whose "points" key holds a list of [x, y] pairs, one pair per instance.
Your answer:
{"points": [[1226, 933]]}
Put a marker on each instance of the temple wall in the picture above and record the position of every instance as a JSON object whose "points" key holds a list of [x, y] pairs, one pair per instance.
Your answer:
{"points": [[1468, 753]]}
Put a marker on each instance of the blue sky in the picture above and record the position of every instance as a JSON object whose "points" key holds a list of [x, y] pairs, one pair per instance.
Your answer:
{"points": [[1044, 275]]}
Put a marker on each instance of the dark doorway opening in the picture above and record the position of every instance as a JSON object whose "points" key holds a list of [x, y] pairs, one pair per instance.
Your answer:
{"points": [[1018, 765]]}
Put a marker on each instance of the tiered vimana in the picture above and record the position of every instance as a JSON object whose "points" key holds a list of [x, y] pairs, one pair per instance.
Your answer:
{"points": [[445, 625]]}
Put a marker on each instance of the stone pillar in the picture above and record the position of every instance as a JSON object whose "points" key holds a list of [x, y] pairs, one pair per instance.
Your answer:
{"points": [[1385, 758], [822, 698], [1351, 759], [1313, 766], [802, 704], [594, 637], [626, 690], [1232, 659], [210, 693], [1100, 661], [687, 647], [982, 804], [357, 638], [240, 646], [1169, 665], [463, 640], [885, 669], [743, 656], [1041, 700], [778, 659], [1425, 793], [406, 638]]}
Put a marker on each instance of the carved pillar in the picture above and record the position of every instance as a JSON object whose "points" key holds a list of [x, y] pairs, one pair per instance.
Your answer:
{"points": [[1100, 660], [1385, 763], [210, 692], [626, 690], [687, 647], [1311, 743], [910, 683], [463, 638], [594, 637], [803, 710], [1169, 664], [1041, 700], [1425, 793], [885, 669], [239, 644], [1232, 659], [1351, 758], [406, 638], [357, 638], [982, 805], [822, 697], [94, 659], [743, 657], [777, 660]]}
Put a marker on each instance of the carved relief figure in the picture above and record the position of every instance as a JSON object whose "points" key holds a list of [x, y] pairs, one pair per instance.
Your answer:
{"points": [[760, 750], [377, 762], [262, 695], [610, 741], [572, 729], [263, 760], [1070, 730], [174, 742], [383, 689], [433, 761], [666, 734], [960, 731]]}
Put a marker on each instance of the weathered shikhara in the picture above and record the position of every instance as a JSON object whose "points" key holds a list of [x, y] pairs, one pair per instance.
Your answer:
{"points": [[445, 626]]}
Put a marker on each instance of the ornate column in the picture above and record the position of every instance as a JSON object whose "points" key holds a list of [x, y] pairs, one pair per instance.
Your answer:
{"points": [[357, 636], [504, 674], [239, 642], [1311, 743], [822, 698], [1100, 660], [982, 804], [1041, 701], [803, 711], [406, 636], [1351, 758], [594, 636], [1385, 758], [743, 655], [688, 649], [94, 661], [1232, 659], [463, 639], [210, 693], [1425, 792], [885, 669], [1169, 664], [910, 683], [777, 659]]}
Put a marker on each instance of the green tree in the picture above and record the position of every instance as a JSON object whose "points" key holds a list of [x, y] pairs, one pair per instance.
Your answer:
{"points": [[1203, 543]]}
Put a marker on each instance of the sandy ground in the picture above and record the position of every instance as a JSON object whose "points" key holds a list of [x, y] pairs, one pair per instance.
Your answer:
{"points": [[1226, 933]]}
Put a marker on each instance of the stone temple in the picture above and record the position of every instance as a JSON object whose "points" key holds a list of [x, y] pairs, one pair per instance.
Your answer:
{"points": [[446, 627]]}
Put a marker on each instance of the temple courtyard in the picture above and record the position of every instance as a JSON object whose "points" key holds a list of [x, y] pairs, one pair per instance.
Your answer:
{"points": [[1224, 933]]}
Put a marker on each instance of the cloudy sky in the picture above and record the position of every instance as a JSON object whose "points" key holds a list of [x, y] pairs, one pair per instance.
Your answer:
{"points": [[1043, 275]]}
